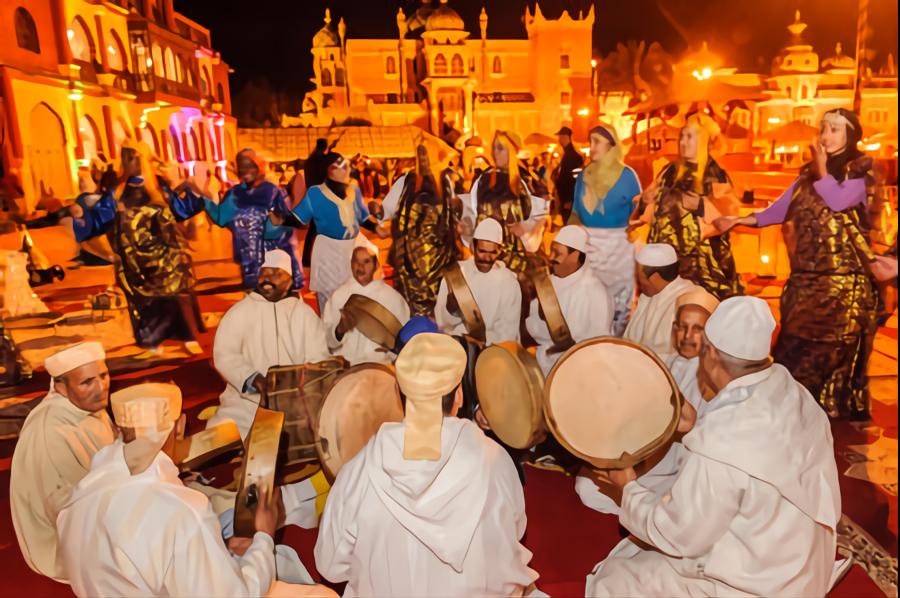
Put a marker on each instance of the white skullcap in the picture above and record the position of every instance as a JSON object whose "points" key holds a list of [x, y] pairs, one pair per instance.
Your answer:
{"points": [[572, 236], [365, 243], [74, 357], [489, 230], [657, 255], [699, 297], [742, 327], [278, 258], [151, 410]]}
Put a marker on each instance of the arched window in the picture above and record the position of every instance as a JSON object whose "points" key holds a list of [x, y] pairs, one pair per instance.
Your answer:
{"points": [[339, 77], [170, 65], [115, 53], [148, 136], [390, 66], [205, 85], [564, 61], [80, 42], [159, 68], [179, 69], [804, 92], [326, 78], [457, 66], [26, 31], [119, 134], [90, 137], [498, 65], [220, 93], [440, 65]]}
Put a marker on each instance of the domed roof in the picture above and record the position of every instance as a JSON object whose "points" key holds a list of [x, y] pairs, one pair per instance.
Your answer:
{"points": [[326, 37], [444, 18]]}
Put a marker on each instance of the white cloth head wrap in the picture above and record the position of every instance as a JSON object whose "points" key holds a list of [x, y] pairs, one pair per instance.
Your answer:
{"points": [[699, 297], [742, 327], [657, 255], [74, 357], [278, 258], [150, 409], [489, 230], [573, 237]]}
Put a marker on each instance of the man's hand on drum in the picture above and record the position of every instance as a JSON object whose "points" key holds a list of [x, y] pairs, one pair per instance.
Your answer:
{"points": [[347, 323], [620, 478], [686, 421], [481, 420], [269, 511], [259, 383]]}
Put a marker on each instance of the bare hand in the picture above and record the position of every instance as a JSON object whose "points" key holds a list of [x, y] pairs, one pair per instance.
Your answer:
{"points": [[648, 196], [276, 218], [688, 418], [347, 323], [621, 477], [375, 209], [259, 383], [819, 159], [382, 231], [884, 268], [238, 546], [481, 420], [268, 511], [725, 223], [76, 211]]}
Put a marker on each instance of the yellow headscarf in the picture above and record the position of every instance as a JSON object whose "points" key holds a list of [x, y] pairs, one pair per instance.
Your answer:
{"points": [[600, 175], [707, 130], [148, 171]]}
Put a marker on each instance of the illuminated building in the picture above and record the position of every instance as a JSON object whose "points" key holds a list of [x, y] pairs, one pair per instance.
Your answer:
{"points": [[78, 76], [437, 76]]}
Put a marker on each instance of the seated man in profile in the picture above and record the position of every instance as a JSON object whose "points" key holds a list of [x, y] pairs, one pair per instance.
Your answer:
{"points": [[430, 507]]}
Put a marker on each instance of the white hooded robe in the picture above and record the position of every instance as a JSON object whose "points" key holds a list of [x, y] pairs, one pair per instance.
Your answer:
{"points": [[651, 323]]}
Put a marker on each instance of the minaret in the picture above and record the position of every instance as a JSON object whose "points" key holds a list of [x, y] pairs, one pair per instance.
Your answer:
{"points": [[483, 22], [402, 29], [342, 33]]}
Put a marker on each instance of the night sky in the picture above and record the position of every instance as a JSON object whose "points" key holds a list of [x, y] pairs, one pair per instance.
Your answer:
{"points": [[271, 38]]}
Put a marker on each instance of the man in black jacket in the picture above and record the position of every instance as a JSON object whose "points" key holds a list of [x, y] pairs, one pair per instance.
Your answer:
{"points": [[565, 175]]}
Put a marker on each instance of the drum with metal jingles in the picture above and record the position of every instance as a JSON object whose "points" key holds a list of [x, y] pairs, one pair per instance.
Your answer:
{"points": [[612, 403]]}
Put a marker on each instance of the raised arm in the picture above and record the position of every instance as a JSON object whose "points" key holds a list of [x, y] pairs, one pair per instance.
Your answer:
{"points": [[185, 204], [841, 196], [95, 220], [221, 213]]}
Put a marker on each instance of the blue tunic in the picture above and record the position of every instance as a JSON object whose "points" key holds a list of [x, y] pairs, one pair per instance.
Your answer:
{"points": [[317, 206], [617, 205], [245, 212]]}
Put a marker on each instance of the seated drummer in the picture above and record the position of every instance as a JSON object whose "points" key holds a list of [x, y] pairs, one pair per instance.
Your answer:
{"points": [[583, 299], [494, 287], [755, 504], [692, 311], [430, 507], [340, 326], [132, 528]]}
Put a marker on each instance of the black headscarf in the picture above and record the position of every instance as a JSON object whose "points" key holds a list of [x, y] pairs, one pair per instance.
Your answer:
{"points": [[836, 165], [339, 189]]}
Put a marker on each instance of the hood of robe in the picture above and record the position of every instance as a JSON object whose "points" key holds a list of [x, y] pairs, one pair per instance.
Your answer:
{"points": [[439, 502], [770, 427]]}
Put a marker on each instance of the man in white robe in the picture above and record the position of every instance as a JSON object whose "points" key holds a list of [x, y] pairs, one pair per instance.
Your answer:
{"points": [[660, 286], [264, 329], [132, 528], [692, 311], [54, 450], [344, 338], [584, 301], [755, 505], [495, 289], [430, 507]]}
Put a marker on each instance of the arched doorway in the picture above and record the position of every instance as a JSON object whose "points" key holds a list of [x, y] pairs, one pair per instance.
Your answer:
{"points": [[91, 145], [47, 155]]}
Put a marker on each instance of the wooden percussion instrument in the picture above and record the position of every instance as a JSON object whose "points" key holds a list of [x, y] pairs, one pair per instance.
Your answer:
{"points": [[361, 399], [556, 322], [198, 449], [612, 403], [374, 320], [258, 469], [509, 384], [471, 315]]}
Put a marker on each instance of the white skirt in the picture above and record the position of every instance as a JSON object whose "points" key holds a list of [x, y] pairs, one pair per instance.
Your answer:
{"points": [[611, 257], [330, 264]]}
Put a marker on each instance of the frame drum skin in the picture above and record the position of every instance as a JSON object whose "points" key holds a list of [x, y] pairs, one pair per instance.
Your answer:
{"points": [[509, 383], [361, 399], [374, 320], [611, 402]]}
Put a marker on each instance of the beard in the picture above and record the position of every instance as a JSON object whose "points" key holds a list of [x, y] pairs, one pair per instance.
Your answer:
{"points": [[270, 291]]}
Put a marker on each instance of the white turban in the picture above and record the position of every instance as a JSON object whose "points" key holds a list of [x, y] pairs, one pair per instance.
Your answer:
{"points": [[278, 258], [151, 410], [742, 327], [699, 297], [429, 366], [657, 255], [73, 357], [363, 242], [573, 236], [489, 230]]}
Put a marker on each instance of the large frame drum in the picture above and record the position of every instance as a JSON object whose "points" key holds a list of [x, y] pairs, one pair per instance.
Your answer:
{"points": [[374, 320], [611, 402], [509, 384]]}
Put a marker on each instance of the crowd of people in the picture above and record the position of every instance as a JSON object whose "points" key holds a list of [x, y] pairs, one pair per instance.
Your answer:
{"points": [[743, 501]]}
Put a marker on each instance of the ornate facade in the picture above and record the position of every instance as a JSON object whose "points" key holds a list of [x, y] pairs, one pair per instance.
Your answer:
{"points": [[79, 76]]}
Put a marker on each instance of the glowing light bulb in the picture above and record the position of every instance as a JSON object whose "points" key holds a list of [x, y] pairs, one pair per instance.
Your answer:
{"points": [[774, 120], [764, 259], [70, 33], [584, 112]]}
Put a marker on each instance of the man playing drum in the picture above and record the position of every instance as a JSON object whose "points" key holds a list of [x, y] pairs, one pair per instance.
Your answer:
{"points": [[583, 299], [660, 285], [430, 507], [494, 287], [344, 338], [756, 502], [266, 328], [693, 309]]}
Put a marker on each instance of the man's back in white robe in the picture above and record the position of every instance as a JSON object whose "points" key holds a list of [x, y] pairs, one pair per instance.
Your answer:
{"points": [[499, 300], [753, 509], [53, 453], [254, 335], [585, 304], [450, 527], [354, 346], [651, 322]]}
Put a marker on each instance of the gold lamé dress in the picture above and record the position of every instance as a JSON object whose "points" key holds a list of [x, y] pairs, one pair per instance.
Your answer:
{"points": [[706, 262], [830, 302], [424, 244]]}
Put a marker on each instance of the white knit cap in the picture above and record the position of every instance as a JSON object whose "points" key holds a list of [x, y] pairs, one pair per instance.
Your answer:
{"points": [[278, 258], [365, 243], [572, 236], [742, 327], [489, 230], [74, 357], [657, 255]]}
